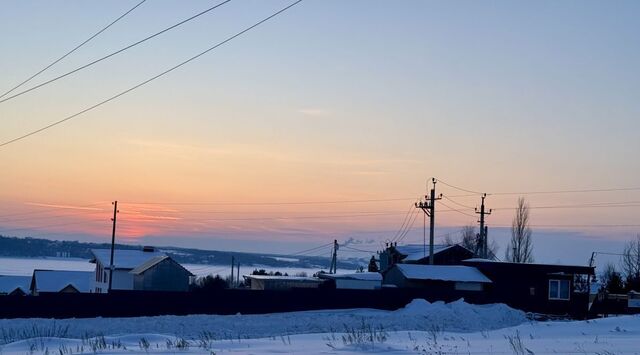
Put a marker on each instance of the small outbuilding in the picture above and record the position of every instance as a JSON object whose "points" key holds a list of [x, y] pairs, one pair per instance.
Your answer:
{"points": [[437, 277], [355, 281], [268, 282]]}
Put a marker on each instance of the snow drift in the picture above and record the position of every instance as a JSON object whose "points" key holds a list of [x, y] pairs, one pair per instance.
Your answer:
{"points": [[457, 316]]}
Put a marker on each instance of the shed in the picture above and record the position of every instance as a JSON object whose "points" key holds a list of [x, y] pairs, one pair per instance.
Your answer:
{"points": [[442, 277], [358, 280], [60, 281], [161, 273], [267, 282]]}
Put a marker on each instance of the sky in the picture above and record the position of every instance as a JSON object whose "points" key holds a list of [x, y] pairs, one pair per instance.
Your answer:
{"points": [[357, 103]]}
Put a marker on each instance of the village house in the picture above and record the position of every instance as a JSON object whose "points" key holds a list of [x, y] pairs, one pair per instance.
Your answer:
{"points": [[141, 270], [60, 281]]}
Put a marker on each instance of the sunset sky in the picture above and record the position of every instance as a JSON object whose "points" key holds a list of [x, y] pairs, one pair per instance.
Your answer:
{"points": [[325, 122]]}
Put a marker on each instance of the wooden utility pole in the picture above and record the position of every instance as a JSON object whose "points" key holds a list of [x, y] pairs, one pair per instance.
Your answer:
{"points": [[429, 208], [113, 243], [333, 268], [233, 261], [483, 229], [238, 273]]}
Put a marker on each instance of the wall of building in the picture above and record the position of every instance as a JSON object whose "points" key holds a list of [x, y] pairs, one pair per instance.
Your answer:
{"points": [[164, 276]]}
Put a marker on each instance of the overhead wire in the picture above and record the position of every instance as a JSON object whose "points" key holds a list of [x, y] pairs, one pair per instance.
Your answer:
{"points": [[458, 203], [152, 78], [277, 203], [456, 210], [72, 50], [404, 222], [114, 53], [408, 228]]}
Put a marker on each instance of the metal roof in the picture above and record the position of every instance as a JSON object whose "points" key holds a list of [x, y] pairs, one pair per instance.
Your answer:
{"points": [[124, 258], [456, 273]]}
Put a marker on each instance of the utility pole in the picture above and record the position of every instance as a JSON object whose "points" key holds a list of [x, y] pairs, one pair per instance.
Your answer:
{"points": [[483, 228], [233, 261], [334, 258], [429, 208], [113, 243], [238, 273]]}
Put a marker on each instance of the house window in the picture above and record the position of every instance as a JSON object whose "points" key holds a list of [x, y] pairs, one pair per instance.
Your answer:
{"points": [[105, 277], [532, 291], [559, 289]]}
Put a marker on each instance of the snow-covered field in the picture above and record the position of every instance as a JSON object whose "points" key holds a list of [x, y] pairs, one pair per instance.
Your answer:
{"points": [[421, 327], [25, 267]]}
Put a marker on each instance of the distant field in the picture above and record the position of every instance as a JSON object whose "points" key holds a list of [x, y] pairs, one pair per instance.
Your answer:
{"points": [[25, 267]]}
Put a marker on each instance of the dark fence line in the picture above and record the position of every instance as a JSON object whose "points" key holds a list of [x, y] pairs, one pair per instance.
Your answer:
{"points": [[232, 301]]}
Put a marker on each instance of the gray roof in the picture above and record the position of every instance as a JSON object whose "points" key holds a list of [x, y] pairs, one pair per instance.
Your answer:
{"points": [[456, 273], [9, 284], [57, 280], [124, 258], [415, 252], [155, 261]]}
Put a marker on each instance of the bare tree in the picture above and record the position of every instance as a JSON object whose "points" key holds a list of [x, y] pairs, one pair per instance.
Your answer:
{"points": [[611, 280], [468, 238], [520, 248], [471, 240], [630, 263]]}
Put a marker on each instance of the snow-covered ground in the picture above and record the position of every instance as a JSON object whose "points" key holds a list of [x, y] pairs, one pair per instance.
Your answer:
{"points": [[421, 327]]}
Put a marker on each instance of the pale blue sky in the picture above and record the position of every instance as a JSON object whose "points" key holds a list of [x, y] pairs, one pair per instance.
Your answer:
{"points": [[333, 99]]}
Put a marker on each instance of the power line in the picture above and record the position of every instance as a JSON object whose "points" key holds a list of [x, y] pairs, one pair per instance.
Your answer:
{"points": [[415, 216], [456, 210], [114, 53], [71, 51], [404, 222], [473, 193], [289, 217], [309, 250], [268, 203], [460, 188], [152, 78], [50, 209], [50, 217], [458, 203], [356, 249], [566, 191]]}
